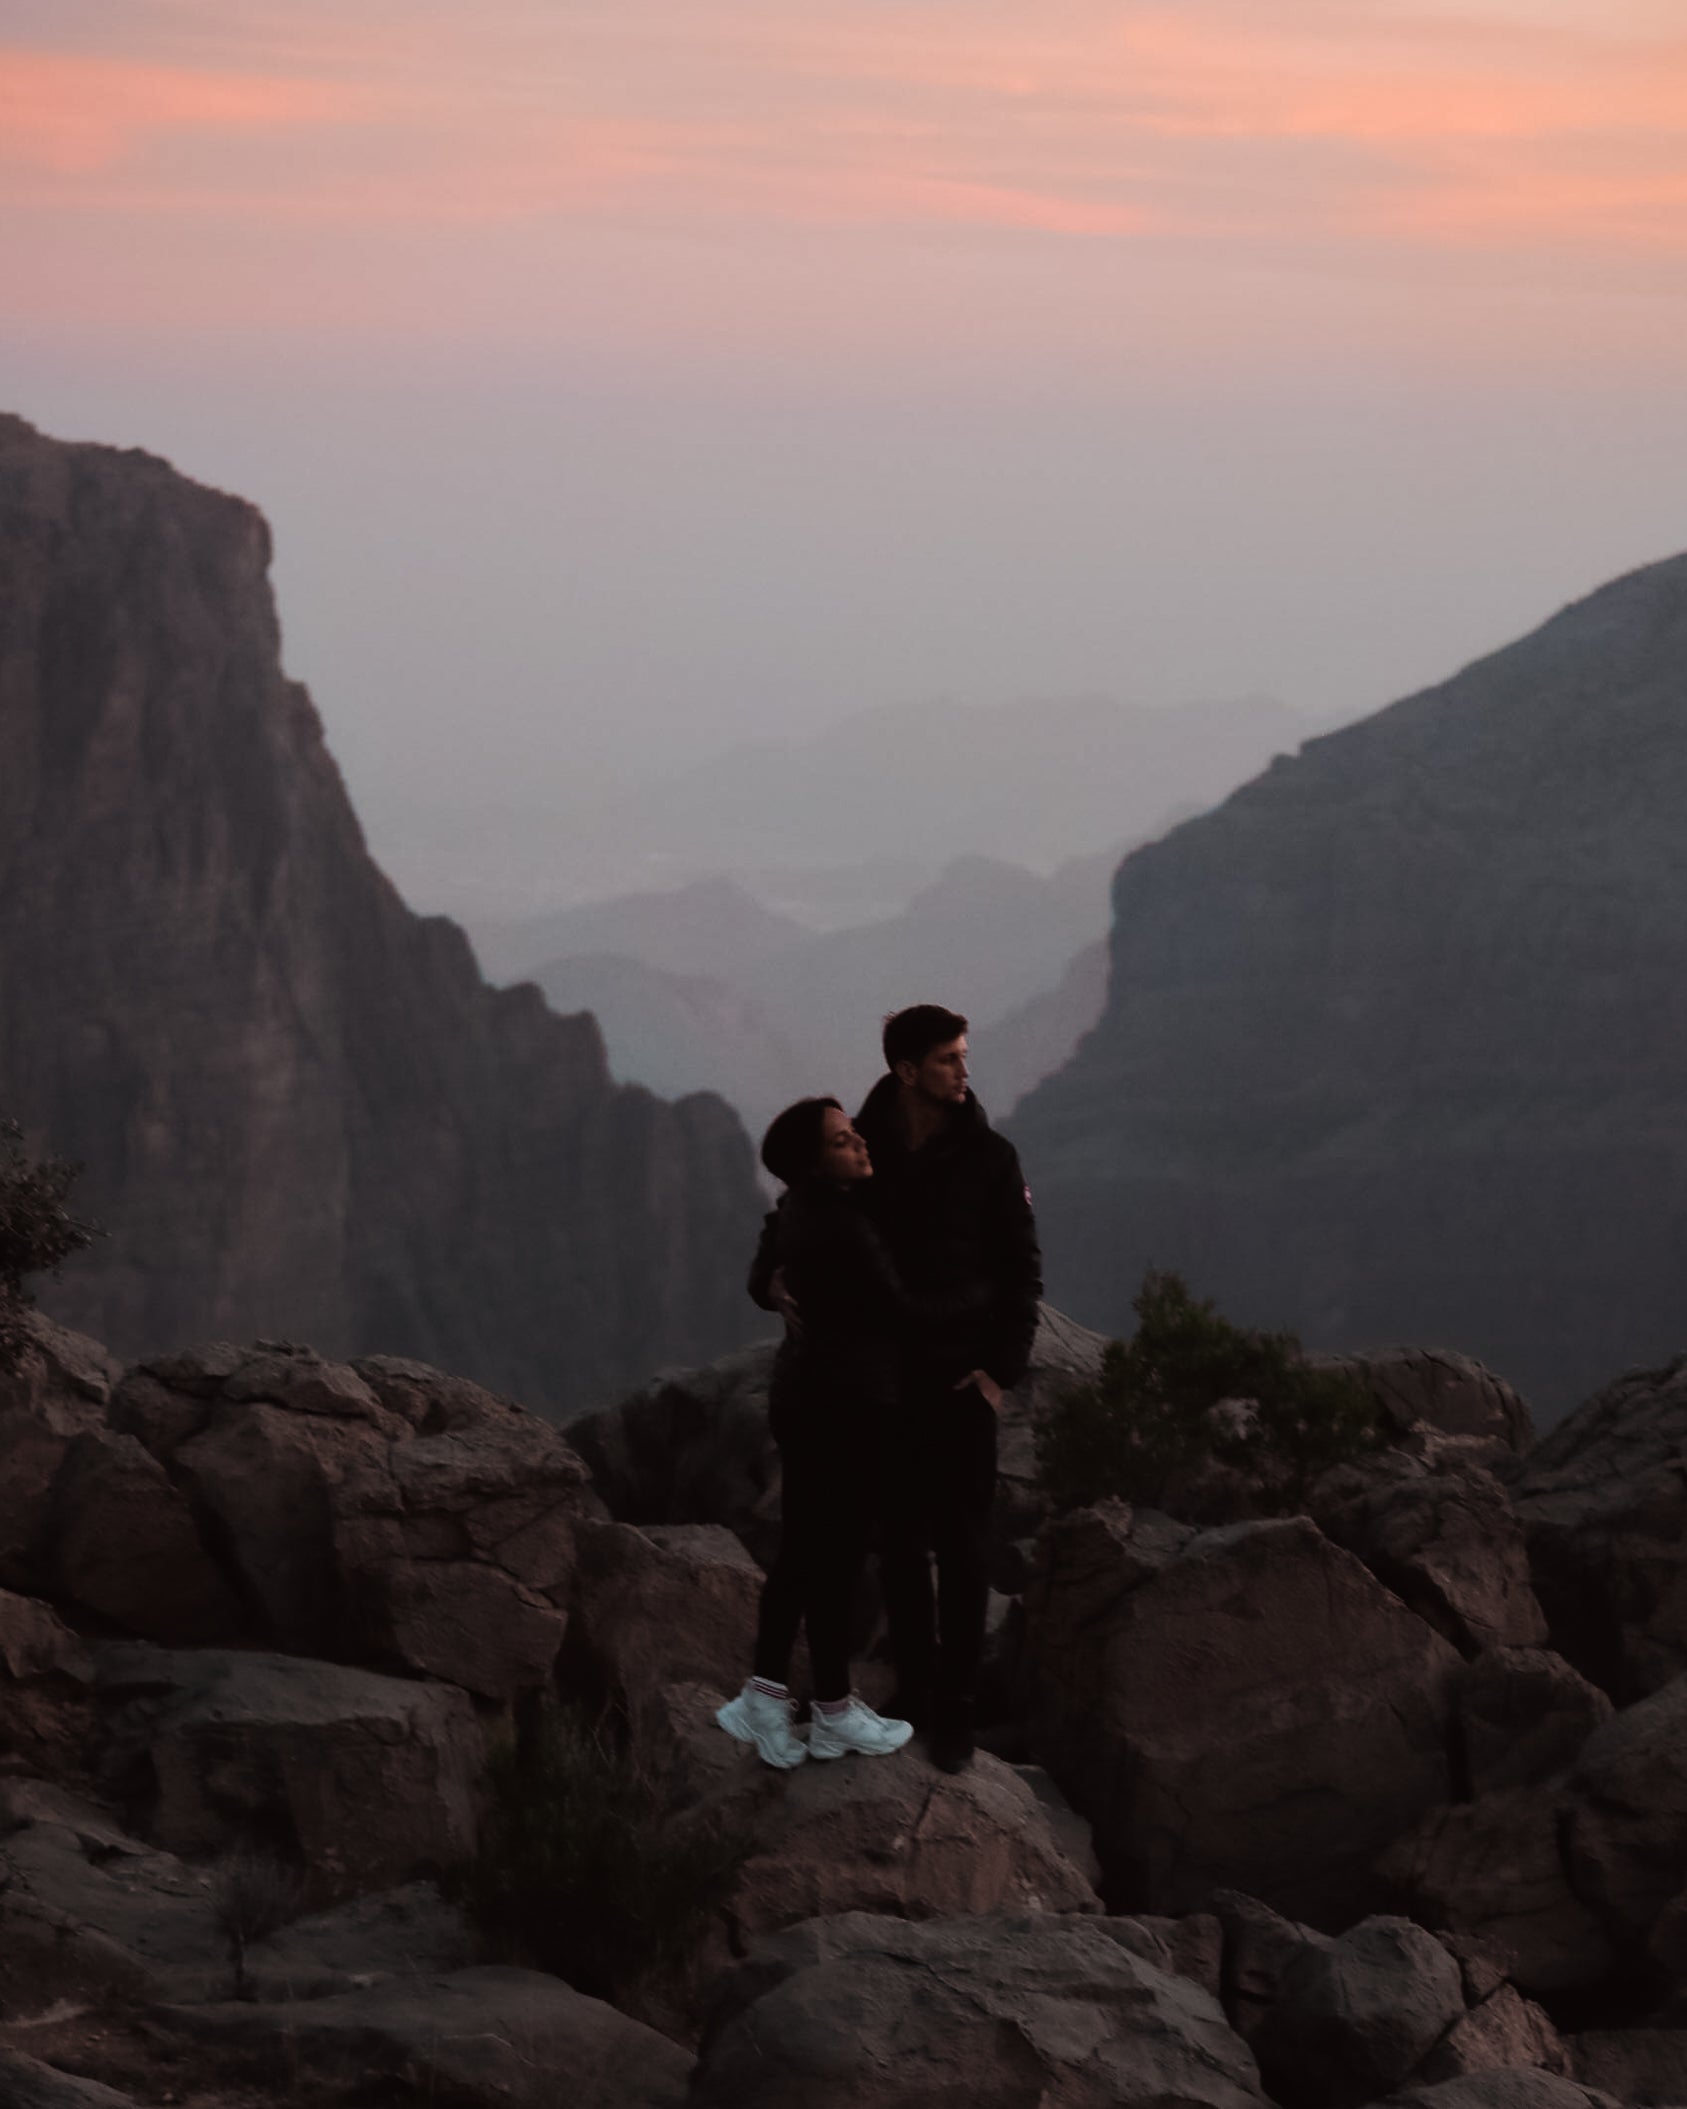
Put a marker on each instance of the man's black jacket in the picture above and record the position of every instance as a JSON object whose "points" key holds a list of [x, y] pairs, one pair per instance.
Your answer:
{"points": [[956, 1216]]}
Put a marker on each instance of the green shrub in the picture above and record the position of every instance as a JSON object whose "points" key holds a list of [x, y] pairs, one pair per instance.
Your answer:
{"points": [[37, 1231], [578, 1873], [1194, 1413]]}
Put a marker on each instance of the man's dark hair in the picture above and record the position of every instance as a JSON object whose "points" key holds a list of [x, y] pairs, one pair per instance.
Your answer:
{"points": [[912, 1034], [791, 1147]]}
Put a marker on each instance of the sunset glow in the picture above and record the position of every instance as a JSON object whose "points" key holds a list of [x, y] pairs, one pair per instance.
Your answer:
{"points": [[627, 375], [1411, 126]]}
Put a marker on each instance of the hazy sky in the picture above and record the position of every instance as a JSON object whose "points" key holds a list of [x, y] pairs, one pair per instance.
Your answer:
{"points": [[625, 376]]}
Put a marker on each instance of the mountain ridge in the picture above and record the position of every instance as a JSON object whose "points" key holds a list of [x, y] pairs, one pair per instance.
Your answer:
{"points": [[300, 1109], [1391, 1048]]}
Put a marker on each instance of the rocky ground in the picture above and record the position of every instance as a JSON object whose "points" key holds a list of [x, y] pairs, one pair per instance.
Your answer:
{"points": [[1382, 1803]]}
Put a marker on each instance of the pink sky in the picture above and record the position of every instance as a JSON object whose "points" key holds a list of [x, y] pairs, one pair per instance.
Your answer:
{"points": [[1359, 320], [237, 162]]}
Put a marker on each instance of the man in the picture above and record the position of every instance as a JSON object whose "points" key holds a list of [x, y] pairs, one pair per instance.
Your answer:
{"points": [[951, 1202]]}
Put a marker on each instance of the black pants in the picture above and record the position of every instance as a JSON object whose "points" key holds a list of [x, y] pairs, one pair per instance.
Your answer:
{"points": [[942, 1487], [830, 1470]]}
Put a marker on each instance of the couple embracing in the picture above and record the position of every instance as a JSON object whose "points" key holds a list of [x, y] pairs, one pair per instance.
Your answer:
{"points": [[903, 1256]]}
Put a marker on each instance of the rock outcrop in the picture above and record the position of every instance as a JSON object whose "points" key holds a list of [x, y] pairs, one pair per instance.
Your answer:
{"points": [[300, 1110], [1152, 1648], [1603, 1502], [1392, 1040], [381, 1513], [854, 2012]]}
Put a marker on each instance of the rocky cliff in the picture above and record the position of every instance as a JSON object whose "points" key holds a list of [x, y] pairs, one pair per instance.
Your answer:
{"points": [[1393, 1043], [300, 1109]]}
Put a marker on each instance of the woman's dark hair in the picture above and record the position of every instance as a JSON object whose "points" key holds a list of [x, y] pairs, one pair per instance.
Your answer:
{"points": [[791, 1147]]}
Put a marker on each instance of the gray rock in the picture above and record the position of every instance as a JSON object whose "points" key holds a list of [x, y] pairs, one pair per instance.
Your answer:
{"points": [[1524, 1713], [488, 2038], [1441, 1389], [1440, 1531], [26, 2083], [1634, 2064], [1357, 2017], [1260, 1947], [410, 1931], [1523, 2087], [1503, 2029], [365, 1780], [46, 1678], [1496, 1868], [1604, 1505], [1628, 1824], [55, 1392], [1245, 1706], [89, 1913], [860, 2012], [661, 1604]]}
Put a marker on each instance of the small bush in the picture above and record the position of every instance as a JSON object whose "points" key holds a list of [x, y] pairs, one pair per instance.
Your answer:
{"points": [[254, 1895], [579, 1874], [37, 1231], [1194, 1412]]}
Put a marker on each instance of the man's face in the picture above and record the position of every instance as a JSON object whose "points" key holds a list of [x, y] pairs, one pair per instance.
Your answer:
{"points": [[940, 1076]]}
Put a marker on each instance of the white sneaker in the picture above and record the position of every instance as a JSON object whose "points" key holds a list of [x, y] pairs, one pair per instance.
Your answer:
{"points": [[758, 1718], [856, 1729]]}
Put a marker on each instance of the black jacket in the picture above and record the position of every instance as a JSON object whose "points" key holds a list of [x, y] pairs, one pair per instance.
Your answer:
{"points": [[858, 1315], [956, 1214]]}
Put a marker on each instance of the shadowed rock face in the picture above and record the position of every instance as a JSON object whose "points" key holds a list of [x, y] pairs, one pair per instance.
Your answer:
{"points": [[1393, 1038], [300, 1110]]}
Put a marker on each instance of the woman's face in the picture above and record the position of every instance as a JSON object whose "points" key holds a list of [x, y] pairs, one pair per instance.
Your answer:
{"points": [[843, 1155]]}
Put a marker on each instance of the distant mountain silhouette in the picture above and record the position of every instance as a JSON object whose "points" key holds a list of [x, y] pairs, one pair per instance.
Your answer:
{"points": [[1396, 1038], [302, 1113], [679, 1033], [712, 927], [899, 792], [805, 1014]]}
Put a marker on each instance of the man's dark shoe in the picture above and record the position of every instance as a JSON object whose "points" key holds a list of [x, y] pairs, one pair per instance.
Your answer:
{"points": [[952, 1742]]}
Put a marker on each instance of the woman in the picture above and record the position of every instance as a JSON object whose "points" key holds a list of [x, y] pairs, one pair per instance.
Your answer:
{"points": [[833, 1393]]}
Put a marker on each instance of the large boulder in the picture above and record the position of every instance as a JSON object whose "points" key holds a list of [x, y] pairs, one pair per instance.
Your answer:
{"points": [[46, 1688], [89, 1913], [1500, 2087], [127, 1546], [1523, 1714], [691, 1447], [1496, 1868], [1245, 1707], [1627, 1834], [362, 1779], [891, 1835], [1437, 1387], [1358, 2016], [1603, 1500], [381, 1511], [860, 2012], [658, 1605], [31, 2083], [1634, 2064], [1438, 1529], [484, 2038], [55, 1391]]}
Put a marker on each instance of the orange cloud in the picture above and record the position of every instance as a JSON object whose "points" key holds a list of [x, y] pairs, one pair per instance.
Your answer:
{"points": [[70, 114]]}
